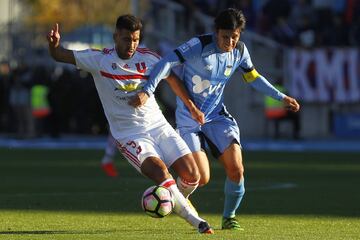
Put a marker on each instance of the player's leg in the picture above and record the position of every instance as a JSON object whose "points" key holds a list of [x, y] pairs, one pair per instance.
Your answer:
{"points": [[173, 148], [144, 154], [202, 162], [107, 162], [178, 156], [223, 138], [156, 170], [196, 144], [234, 188], [188, 174]]}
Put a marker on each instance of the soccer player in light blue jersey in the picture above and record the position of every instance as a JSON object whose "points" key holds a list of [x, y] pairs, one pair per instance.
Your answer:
{"points": [[209, 62]]}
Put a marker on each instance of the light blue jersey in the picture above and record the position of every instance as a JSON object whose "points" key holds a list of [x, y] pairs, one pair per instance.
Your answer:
{"points": [[206, 71]]}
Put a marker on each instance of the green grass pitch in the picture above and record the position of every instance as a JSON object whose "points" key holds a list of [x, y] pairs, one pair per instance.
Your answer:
{"points": [[62, 194]]}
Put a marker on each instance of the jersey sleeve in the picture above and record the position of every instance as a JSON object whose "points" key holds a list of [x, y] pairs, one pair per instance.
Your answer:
{"points": [[189, 50], [87, 60], [181, 54], [247, 67]]}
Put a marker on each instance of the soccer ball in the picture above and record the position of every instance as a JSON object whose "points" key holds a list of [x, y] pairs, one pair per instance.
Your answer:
{"points": [[157, 202]]}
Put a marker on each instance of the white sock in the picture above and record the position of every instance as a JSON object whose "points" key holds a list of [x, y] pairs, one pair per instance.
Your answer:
{"points": [[182, 208], [186, 188]]}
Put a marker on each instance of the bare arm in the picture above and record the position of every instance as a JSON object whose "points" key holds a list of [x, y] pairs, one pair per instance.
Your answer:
{"points": [[177, 86], [57, 52], [179, 89]]}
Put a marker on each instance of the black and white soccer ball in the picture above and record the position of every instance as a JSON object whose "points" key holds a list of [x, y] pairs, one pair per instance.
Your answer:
{"points": [[157, 201]]}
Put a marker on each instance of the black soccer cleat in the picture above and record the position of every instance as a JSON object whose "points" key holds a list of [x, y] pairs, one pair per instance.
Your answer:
{"points": [[205, 228]]}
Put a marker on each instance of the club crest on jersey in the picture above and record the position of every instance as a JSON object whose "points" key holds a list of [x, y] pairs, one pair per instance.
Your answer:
{"points": [[185, 47], [113, 66], [228, 70], [142, 68]]}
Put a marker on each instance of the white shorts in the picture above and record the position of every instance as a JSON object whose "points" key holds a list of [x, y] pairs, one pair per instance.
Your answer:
{"points": [[163, 142]]}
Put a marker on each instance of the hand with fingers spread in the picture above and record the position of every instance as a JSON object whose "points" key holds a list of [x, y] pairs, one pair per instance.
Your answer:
{"points": [[291, 104]]}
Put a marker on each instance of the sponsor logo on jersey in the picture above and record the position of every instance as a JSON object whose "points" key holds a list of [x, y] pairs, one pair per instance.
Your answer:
{"points": [[130, 87], [204, 87], [208, 67], [228, 70]]}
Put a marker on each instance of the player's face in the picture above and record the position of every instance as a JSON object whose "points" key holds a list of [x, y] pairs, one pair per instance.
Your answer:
{"points": [[126, 42], [227, 39]]}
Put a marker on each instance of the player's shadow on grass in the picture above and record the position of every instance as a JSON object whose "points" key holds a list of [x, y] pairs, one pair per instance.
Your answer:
{"points": [[51, 232]]}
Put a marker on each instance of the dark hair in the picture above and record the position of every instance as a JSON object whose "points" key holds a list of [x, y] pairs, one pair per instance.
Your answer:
{"points": [[129, 22], [230, 19]]}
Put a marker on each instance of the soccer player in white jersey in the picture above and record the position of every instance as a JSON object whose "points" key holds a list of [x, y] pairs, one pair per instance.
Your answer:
{"points": [[143, 135], [209, 61]]}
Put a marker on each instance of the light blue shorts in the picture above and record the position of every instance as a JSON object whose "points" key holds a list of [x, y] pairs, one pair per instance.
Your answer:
{"points": [[216, 135]]}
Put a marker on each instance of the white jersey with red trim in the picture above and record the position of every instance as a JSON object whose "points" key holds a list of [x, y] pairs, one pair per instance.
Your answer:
{"points": [[116, 80]]}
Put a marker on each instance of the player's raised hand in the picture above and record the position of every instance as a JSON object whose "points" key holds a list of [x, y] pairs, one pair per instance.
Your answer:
{"points": [[291, 104], [53, 36], [138, 99]]}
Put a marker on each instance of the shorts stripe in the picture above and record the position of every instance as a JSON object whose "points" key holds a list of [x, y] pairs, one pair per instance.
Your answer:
{"points": [[131, 157]]}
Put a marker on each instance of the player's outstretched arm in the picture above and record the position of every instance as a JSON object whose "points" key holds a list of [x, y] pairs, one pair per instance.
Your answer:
{"points": [[57, 52], [179, 89], [291, 104]]}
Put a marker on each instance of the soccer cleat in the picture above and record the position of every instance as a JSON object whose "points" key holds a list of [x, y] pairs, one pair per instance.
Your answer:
{"points": [[192, 207], [205, 228], [231, 223], [109, 169]]}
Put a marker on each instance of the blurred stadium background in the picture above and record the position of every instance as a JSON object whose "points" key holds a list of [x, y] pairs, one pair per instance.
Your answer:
{"points": [[309, 47]]}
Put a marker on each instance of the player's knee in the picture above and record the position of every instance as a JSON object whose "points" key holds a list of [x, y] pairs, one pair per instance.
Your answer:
{"points": [[187, 169], [192, 175], [237, 174], [204, 179], [155, 170]]}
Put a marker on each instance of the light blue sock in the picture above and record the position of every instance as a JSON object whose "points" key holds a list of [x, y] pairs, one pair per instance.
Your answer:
{"points": [[234, 193]]}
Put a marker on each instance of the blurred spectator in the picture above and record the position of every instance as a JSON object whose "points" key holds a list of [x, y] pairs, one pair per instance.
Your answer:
{"points": [[301, 19], [39, 100], [19, 100], [283, 33], [66, 103], [4, 94], [352, 18], [276, 113]]}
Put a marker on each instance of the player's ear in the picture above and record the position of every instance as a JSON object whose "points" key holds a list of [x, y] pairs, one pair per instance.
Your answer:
{"points": [[114, 36]]}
